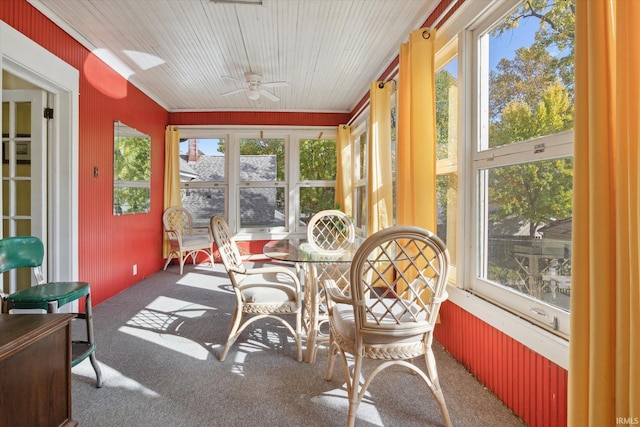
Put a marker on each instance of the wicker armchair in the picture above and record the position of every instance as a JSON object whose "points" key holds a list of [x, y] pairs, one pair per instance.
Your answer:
{"points": [[329, 232], [267, 292], [397, 283], [185, 239]]}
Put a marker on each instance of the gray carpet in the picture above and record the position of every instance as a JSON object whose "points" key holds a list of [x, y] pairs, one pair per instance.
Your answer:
{"points": [[158, 344]]}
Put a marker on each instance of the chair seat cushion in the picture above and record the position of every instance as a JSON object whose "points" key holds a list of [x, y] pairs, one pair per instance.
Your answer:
{"points": [[267, 288], [344, 322], [38, 296], [196, 239]]}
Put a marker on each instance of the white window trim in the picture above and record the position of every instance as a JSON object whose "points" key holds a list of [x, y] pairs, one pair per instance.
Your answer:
{"points": [[546, 344]]}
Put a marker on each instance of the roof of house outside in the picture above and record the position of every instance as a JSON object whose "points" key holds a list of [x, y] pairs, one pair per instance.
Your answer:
{"points": [[258, 205]]}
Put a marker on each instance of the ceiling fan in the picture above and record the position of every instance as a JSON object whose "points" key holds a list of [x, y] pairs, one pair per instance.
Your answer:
{"points": [[255, 87]]}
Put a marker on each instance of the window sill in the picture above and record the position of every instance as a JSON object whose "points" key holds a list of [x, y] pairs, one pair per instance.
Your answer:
{"points": [[552, 347]]}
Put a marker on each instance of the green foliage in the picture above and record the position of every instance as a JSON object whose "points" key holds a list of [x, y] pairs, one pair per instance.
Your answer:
{"points": [[504, 275], [541, 191], [318, 160], [535, 192], [132, 174], [132, 159], [520, 79], [316, 199], [444, 82], [556, 31], [130, 200], [445, 184], [552, 113]]}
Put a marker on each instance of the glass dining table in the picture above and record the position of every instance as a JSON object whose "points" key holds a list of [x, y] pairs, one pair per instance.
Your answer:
{"points": [[314, 267]]}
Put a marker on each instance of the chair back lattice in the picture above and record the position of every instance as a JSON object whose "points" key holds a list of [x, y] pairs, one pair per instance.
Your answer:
{"points": [[226, 245], [178, 219], [398, 280], [330, 231]]}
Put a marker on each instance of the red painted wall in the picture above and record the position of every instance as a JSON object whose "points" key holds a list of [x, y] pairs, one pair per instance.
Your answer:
{"points": [[532, 386], [108, 245], [252, 118]]}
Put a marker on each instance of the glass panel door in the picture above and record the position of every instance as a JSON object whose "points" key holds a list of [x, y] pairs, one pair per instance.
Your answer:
{"points": [[24, 197]]}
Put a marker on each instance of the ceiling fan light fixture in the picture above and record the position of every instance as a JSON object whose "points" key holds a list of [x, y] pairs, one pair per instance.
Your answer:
{"points": [[255, 87]]}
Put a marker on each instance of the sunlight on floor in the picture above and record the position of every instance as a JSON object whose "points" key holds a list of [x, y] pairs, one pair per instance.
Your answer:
{"points": [[112, 378], [337, 400], [243, 350], [205, 281], [180, 345], [160, 323], [178, 307]]}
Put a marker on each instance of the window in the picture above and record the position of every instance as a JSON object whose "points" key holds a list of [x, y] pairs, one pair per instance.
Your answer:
{"points": [[446, 84], [522, 166], [317, 172], [203, 178], [360, 179], [263, 184], [394, 156]]}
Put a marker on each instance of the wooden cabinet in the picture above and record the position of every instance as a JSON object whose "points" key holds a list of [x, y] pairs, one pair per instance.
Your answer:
{"points": [[35, 370]]}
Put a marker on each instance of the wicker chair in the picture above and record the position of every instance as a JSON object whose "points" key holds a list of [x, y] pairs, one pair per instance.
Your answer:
{"points": [[185, 239], [328, 232], [267, 292], [397, 283]]}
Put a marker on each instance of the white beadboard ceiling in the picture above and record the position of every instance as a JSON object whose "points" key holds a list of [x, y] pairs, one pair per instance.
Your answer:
{"points": [[178, 51]]}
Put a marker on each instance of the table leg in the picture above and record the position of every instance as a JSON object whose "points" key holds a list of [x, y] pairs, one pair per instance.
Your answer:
{"points": [[316, 304], [311, 311]]}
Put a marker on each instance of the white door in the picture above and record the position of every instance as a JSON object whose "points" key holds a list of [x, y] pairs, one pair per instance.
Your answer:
{"points": [[24, 168]]}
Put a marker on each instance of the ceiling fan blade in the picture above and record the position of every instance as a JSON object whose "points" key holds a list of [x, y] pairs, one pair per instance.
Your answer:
{"points": [[269, 95], [275, 84], [234, 79], [234, 92]]}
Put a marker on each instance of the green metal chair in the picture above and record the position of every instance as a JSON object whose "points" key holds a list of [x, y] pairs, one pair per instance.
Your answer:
{"points": [[28, 252]]}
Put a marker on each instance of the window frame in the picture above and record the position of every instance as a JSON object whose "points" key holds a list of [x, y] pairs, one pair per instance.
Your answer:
{"points": [[238, 184], [360, 180], [298, 183], [452, 165], [482, 158], [199, 185], [291, 184], [459, 31], [555, 146]]}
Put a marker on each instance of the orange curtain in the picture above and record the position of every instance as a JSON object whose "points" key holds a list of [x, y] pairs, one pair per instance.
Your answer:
{"points": [[380, 193], [344, 174], [416, 150], [171, 176], [604, 354]]}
